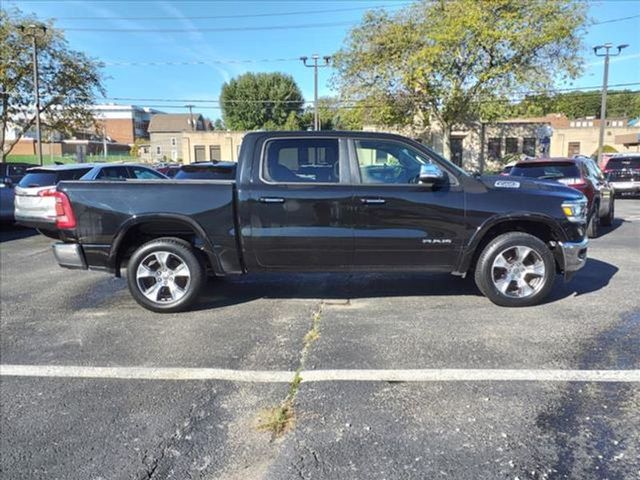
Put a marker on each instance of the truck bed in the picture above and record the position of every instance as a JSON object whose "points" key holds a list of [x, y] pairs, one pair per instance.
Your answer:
{"points": [[105, 211]]}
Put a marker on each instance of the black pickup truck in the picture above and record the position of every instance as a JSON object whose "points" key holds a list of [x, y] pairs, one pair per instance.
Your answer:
{"points": [[325, 201]]}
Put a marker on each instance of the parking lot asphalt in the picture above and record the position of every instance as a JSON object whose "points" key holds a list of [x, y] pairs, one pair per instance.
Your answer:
{"points": [[130, 428]]}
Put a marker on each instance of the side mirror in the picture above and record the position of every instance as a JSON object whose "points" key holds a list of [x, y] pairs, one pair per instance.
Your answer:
{"points": [[430, 174]]}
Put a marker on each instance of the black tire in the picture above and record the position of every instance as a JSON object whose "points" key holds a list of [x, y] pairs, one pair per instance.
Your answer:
{"points": [[163, 286], [594, 224], [607, 220], [49, 233], [484, 270]]}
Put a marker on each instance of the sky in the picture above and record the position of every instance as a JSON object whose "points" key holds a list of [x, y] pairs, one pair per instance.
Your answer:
{"points": [[234, 37]]}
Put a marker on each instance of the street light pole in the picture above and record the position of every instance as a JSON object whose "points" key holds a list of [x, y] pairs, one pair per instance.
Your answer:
{"points": [[190, 107], [315, 66], [605, 82], [31, 30]]}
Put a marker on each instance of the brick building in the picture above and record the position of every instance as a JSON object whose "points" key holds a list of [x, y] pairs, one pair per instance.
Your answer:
{"points": [[123, 123]]}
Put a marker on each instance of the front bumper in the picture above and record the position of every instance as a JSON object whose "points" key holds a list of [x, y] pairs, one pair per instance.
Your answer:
{"points": [[574, 255], [69, 255]]}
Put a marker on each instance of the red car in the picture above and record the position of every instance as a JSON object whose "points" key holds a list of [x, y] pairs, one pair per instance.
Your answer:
{"points": [[581, 173]]}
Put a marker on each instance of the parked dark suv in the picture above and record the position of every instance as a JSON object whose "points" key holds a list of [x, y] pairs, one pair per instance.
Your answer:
{"points": [[623, 173], [581, 173], [10, 175]]}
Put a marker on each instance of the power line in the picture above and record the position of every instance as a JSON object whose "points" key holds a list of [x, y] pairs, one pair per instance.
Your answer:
{"points": [[613, 20], [216, 29], [160, 63], [253, 15], [259, 28], [343, 103]]}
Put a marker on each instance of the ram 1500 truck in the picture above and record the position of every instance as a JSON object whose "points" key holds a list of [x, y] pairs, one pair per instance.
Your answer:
{"points": [[325, 201]]}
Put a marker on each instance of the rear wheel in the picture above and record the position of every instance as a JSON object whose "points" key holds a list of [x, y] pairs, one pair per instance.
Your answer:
{"points": [[515, 270], [607, 220], [165, 275]]}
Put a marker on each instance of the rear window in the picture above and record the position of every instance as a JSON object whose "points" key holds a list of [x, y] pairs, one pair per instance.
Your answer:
{"points": [[549, 171], [191, 172], [623, 163], [42, 178]]}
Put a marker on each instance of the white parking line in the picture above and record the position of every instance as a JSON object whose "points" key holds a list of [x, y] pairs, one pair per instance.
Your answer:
{"points": [[283, 376]]}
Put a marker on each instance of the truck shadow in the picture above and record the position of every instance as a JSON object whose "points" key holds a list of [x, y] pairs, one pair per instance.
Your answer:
{"points": [[11, 231], [344, 286], [617, 223]]}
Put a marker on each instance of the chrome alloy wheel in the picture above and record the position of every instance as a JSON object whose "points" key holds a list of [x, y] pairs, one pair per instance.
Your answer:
{"points": [[518, 272], [163, 277]]}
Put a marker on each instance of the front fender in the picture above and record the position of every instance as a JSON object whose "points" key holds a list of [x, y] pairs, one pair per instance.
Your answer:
{"points": [[470, 249]]}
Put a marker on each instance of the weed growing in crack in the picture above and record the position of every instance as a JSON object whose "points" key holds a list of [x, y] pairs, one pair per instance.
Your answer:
{"points": [[279, 419]]}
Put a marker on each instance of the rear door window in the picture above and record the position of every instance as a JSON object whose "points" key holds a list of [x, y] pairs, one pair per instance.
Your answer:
{"points": [[312, 160], [546, 171], [74, 174], [113, 173], [142, 173]]}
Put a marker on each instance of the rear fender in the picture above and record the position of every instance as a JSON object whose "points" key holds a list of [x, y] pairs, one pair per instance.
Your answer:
{"points": [[115, 257]]}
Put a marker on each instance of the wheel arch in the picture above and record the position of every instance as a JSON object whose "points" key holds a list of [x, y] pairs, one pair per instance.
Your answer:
{"points": [[539, 225], [141, 229]]}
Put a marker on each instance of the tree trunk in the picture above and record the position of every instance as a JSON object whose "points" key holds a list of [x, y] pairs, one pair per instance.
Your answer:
{"points": [[446, 141]]}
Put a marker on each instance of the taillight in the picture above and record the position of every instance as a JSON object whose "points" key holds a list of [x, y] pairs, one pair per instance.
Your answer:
{"points": [[65, 218], [573, 182]]}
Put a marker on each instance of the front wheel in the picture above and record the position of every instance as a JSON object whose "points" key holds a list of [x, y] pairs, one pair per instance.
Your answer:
{"points": [[515, 270], [165, 275]]}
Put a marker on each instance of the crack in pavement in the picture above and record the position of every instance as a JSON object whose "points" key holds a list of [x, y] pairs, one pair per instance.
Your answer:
{"points": [[281, 418]]}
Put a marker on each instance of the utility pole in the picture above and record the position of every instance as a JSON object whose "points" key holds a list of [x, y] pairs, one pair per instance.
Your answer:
{"points": [[315, 66], [32, 31], [605, 82], [190, 107]]}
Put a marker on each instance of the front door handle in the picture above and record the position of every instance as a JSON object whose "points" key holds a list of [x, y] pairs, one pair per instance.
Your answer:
{"points": [[271, 200], [373, 201]]}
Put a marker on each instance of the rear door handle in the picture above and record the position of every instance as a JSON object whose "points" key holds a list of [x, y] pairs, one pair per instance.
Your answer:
{"points": [[373, 201], [271, 200]]}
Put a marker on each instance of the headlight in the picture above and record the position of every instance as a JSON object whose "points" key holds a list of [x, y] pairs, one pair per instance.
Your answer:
{"points": [[575, 210]]}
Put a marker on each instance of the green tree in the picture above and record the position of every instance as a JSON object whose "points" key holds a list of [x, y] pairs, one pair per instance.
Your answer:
{"points": [[259, 101], [447, 60], [293, 122], [219, 124], [69, 81]]}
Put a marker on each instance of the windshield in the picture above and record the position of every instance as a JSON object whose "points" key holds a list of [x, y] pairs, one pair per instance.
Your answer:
{"points": [[624, 163], [548, 171], [209, 172], [42, 178]]}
